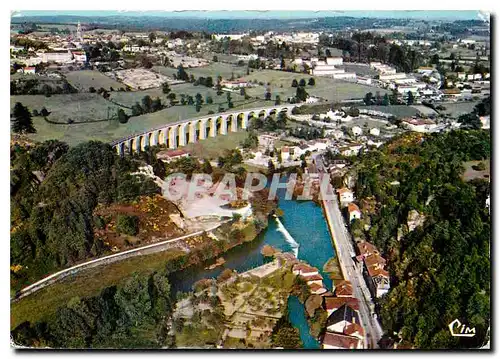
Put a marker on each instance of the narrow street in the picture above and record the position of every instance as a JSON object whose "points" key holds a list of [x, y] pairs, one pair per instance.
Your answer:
{"points": [[353, 273]]}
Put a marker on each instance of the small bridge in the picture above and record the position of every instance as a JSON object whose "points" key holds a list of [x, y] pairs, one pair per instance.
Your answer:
{"points": [[180, 133]]}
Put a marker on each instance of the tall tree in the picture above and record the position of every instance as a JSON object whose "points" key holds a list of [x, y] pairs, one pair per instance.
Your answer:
{"points": [[22, 122]]}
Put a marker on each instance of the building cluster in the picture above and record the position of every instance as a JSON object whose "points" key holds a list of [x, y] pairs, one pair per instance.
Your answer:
{"points": [[344, 329], [373, 266]]}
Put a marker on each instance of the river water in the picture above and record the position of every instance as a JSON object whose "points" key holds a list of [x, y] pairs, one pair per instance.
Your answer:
{"points": [[302, 230]]}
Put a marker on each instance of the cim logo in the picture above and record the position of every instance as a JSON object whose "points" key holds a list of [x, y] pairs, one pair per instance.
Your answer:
{"points": [[458, 329]]}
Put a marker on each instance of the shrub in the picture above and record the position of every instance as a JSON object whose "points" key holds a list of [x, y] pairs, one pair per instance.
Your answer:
{"points": [[127, 224]]}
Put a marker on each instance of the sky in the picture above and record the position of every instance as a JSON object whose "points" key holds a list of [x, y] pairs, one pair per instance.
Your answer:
{"points": [[415, 14]]}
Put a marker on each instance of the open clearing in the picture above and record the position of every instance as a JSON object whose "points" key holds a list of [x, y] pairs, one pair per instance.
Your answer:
{"points": [[471, 172], [84, 79], [138, 78]]}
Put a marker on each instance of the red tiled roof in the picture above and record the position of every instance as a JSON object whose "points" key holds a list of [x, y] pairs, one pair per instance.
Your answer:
{"points": [[304, 268], [374, 259], [316, 287], [343, 190], [340, 340], [354, 328], [352, 207], [366, 248], [312, 277], [344, 288], [373, 271], [334, 303]]}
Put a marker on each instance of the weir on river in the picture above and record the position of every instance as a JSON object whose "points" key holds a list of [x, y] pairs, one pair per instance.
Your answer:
{"points": [[301, 226]]}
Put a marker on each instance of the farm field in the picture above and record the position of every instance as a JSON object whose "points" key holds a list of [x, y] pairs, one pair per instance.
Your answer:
{"points": [[214, 70], [456, 109], [398, 111], [79, 107], [92, 106], [326, 88], [84, 79]]}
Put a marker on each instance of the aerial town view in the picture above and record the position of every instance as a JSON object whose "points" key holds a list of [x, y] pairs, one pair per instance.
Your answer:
{"points": [[246, 180]]}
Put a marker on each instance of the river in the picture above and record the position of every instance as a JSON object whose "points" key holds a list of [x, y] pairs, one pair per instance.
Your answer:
{"points": [[302, 230]]}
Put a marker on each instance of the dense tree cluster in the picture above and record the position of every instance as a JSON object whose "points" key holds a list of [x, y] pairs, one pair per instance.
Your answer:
{"points": [[54, 191], [439, 271], [131, 316]]}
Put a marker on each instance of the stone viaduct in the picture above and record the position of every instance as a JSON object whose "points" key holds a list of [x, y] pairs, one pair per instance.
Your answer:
{"points": [[180, 133]]}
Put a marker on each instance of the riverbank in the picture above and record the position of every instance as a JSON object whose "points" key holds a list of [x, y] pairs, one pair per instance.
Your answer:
{"points": [[188, 252]]}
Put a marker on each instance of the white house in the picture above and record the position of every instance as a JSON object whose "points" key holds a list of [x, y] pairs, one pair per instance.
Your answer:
{"points": [[345, 76], [80, 56], [375, 131], [354, 212], [338, 61], [356, 130], [29, 70], [345, 195], [419, 125]]}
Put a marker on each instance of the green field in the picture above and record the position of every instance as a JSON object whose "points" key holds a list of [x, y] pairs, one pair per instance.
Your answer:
{"points": [[326, 88], [398, 111], [458, 108], [44, 303], [79, 107], [214, 70], [213, 147], [95, 107], [84, 79]]}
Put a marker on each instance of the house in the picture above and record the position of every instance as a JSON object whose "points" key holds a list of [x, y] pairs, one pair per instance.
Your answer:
{"points": [[341, 318], [331, 304], [345, 195], [235, 84], [31, 70], [375, 131], [345, 76], [317, 289], [305, 270], [379, 281], [354, 212], [80, 56], [485, 122], [452, 94], [343, 289], [366, 249], [334, 61], [364, 80], [311, 279], [61, 57], [340, 341], [425, 70], [285, 153], [356, 130], [171, 155], [419, 125]]}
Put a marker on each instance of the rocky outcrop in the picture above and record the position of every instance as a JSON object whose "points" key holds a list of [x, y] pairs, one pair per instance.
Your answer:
{"points": [[415, 220]]}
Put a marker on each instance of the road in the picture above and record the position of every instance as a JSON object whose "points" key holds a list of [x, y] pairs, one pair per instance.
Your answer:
{"points": [[104, 260], [345, 251]]}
